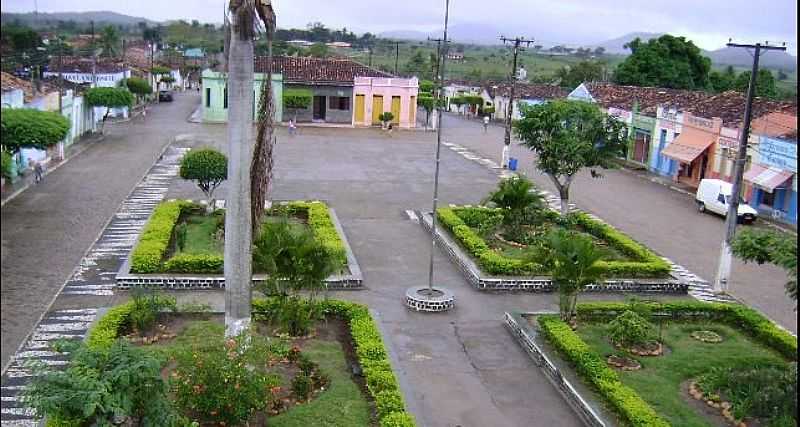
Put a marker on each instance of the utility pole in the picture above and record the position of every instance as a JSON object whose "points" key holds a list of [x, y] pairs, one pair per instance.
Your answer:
{"points": [[60, 93], [396, 56], [724, 268], [370, 55], [123, 54], [94, 59], [516, 42]]}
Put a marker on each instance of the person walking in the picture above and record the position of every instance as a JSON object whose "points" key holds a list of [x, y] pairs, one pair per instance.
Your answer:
{"points": [[292, 127], [38, 172], [485, 123]]}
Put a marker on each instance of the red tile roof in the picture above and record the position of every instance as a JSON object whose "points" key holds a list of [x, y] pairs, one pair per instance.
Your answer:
{"points": [[317, 70], [526, 90], [729, 106], [11, 82]]}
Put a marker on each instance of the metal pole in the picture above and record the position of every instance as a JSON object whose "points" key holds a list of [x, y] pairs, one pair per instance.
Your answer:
{"points": [[438, 150], [513, 81], [396, 56], [94, 59], [724, 267]]}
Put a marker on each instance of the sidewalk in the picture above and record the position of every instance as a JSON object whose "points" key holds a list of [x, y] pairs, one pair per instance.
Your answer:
{"points": [[12, 189]]}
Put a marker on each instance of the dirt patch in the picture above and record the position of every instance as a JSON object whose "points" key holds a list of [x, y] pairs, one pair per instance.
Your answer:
{"points": [[624, 363]]}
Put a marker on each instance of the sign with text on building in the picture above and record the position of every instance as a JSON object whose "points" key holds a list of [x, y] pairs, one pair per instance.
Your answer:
{"points": [[621, 114], [778, 153]]}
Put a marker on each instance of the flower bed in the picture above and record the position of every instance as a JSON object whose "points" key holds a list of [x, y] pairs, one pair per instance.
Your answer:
{"points": [[381, 383], [151, 253], [643, 398], [465, 223]]}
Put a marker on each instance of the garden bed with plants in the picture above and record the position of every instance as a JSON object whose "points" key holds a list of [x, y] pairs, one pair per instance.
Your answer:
{"points": [[682, 364], [182, 245], [145, 364], [509, 240]]}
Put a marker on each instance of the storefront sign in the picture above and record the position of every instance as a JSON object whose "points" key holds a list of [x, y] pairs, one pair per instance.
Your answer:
{"points": [[778, 153]]}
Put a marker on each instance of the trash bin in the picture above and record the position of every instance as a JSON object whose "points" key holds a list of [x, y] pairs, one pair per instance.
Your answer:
{"points": [[512, 163]]}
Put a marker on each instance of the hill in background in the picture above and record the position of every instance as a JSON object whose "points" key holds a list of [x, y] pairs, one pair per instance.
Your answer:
{"points": [[35, 20]]}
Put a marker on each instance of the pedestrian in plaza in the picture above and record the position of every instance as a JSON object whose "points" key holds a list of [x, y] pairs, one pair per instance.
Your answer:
{"points": [[292, 127], [390, 127], [485, 123], [38, 171]]}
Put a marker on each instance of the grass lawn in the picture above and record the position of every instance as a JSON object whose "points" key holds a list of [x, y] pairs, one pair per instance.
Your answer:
{"points": [[660, 379], [201, 231], [342, 404]]}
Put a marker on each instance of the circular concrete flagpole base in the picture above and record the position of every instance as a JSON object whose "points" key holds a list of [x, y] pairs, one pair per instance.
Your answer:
{"points": [[423, 298]]}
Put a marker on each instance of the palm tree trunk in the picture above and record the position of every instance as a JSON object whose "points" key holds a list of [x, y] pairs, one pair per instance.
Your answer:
{"points": [[564, 305], [238, 221]]}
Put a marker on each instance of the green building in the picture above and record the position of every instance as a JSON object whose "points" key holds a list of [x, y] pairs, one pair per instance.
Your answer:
{"points": [[215, 96]]}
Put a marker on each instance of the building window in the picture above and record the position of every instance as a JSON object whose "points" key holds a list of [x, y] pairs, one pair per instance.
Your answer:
{"points": [[338, 103], [767, 199], [225, 97], [208, 97]]}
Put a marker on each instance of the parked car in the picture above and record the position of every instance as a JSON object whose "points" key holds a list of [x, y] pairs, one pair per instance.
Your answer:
{"points": [[714, 195], [165, 96]]}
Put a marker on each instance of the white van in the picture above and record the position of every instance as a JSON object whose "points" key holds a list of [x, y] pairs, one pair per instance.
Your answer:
{"points": [[714, 194]]}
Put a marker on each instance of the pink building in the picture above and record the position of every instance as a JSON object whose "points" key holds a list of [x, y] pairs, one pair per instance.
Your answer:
{"points": [[376, 95]]}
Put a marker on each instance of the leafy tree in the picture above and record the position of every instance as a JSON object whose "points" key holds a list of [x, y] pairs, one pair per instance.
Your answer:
{"points": [[768, 246], [109, 41], [782, 75], [319, 50], [584, 71], [667, 61], [426, 86], [386, 117], [515, 196], [138, 86], [568, 136], [297, 99], [102, 387], [630, 329], [296, 263], [573, 261], [428, 103], [599, 50], [722, 81], [24, 127], [765, 83], [206, 166], [108, 97]]}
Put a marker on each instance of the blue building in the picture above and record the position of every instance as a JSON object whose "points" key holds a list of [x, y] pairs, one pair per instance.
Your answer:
{"points": [[772, 178]]}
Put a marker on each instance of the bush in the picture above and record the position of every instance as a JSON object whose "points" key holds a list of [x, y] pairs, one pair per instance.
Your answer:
{"points": [[154, 240], [102, 385], [398, 419], [389, 401], [744, 318], [146, 307], [194, 263], [26, 127], [302, 386], [217, 384], [590, 366], [766, 391], [207, 167], [630, 329], [110, 97], [297, 99], [7, 164], [138, 86], [386, 116]]}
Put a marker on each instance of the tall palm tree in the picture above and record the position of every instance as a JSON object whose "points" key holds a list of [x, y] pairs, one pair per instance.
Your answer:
{"points": [[109, 41], [261, 175], [238, 220], [573, 261]]}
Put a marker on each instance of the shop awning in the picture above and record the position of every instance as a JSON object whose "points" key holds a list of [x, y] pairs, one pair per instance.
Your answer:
{"points": [[767, 178], [688, 146]]}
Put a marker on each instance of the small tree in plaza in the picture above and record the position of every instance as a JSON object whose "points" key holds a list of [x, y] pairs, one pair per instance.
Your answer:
{"points": [[168, 80], [768, 246], [208, 167], [573, 261], [138, 86], [568, 136], [296, 263], [296, 99], [25, 127], [386, 117], [109, 97], [159, 73]]}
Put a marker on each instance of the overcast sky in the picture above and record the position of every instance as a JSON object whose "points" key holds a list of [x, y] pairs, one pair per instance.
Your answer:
{"points": [[709, 23]]}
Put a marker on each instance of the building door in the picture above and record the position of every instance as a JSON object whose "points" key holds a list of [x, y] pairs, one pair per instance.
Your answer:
{"points": [[377, 109], [359, 109], [412, 111], [396, 109], [641, 146], [319, 108]]}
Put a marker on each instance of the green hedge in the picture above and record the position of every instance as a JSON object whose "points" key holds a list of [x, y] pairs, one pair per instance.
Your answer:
{"points": [[154, 241], [148, 256], [744, 318], [372, 355], [590, 366], [462, 221]]}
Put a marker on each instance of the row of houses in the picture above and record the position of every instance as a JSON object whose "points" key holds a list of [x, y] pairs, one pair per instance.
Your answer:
{"points": [[343, 92], [681, 134]]}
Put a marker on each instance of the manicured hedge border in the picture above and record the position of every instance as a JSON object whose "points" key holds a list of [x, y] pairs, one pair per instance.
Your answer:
{"points": [[148, 256], [623, 399], [381, 381], [749, 321], [648, 264]]}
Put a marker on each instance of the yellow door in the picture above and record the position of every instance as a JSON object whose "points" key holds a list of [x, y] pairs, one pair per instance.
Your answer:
{"points": [[412, 111], [377, 109], [359, 109], [396, 109]]}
